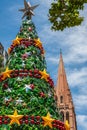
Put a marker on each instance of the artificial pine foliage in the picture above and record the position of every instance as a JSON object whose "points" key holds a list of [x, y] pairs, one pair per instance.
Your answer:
{"points": [[27, 98]]}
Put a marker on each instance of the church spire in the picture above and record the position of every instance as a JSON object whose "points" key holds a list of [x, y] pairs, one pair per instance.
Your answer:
{"points": [[64, 97], [62, 84]]}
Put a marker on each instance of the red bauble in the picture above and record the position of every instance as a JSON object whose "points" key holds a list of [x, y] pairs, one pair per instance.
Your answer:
{"points": [[0, 122], [42, 94], [30, 74], [32, 122], [0, 117], [25, 75], [16, 71], [5, 122], [38, 117], [37, 123], [36, 71], [26, 122], [21, 121], [30, 29], [32, 86], [21, 75], [15, 75], [38, 76], [54, 125], [6, 117], [30, 71], [26, 116], [24, 56], [26, 71], [32, 117], [5, 86]]}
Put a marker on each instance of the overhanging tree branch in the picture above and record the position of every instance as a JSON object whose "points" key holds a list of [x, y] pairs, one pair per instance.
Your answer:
{"points": [[65, 13]]}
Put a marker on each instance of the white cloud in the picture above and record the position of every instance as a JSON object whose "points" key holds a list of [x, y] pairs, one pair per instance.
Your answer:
{"points": [[53, 60], [82, 122], [80, 102], [77, 77], [74, 43]]}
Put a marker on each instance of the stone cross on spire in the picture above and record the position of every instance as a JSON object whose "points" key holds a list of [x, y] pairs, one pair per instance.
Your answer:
{"points": [[28, 10]]}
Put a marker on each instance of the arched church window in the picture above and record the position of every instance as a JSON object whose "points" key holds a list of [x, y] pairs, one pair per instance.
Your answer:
{"points": [[67, 116], [61, 99], [62, 114]]}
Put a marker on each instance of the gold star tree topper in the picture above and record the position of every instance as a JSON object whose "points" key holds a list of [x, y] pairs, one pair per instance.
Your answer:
{"points": [[6, 73], [67, 126], [28, 10], [15, 118], [48, 120], [44, 75]]}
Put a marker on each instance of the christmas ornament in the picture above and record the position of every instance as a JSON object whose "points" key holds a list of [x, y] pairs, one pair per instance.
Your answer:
{"points": [[15, 118], [38, 43], [5, 86], [6, 73], [9, 50], [42, 94], [27, 87], [48, 120], [25, 33], [19, 101], [7, 99], [28, 10], [44, 75], [24, 104], [16, 41], [28, 53], [19, 79], [15, 54], [32, 86], [24, 56], [67, 126], [9, 90], [23, 64], [30, 29], [49, 94]]}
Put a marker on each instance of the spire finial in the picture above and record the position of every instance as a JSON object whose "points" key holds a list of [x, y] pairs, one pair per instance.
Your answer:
{"points": [[28, 10]]}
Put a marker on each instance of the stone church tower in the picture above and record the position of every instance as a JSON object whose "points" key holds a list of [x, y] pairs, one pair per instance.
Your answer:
{"points": [[64, 97]]}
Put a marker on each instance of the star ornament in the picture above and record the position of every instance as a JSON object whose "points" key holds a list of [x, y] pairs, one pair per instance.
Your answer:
{"points": [[44, 75], [28, 10], [48, 120], [15, 118], [27, 87], [9, 50], [67, 126], [16, 41], [38, 43], [6, 73]]}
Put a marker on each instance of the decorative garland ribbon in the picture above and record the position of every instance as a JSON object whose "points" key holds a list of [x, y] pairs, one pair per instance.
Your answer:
{"points": [[24, 73], [34, 120], [26, 43]]}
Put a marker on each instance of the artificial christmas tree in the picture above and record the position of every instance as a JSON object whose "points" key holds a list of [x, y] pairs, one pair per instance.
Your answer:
{"points": [[27, 99]]}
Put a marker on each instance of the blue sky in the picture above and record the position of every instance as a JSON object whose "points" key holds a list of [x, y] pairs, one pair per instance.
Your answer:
{"points": [[73, 43]]}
